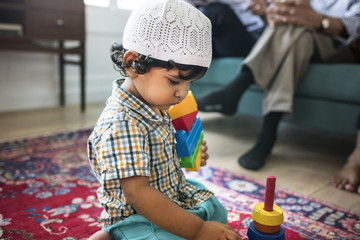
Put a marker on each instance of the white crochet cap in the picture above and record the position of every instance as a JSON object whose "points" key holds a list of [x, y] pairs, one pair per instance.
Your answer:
{"points": [[169, 30]]}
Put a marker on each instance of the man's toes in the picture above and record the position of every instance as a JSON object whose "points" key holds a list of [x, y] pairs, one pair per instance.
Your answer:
{"points": [[350, 187], [334, 181], [338, 182]]}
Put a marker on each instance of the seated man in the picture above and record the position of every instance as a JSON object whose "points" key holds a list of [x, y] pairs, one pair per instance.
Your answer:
{"points": [[298, 32]]}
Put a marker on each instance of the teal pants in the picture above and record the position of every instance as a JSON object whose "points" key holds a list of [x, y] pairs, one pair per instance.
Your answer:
{"points": [[137, 227]]}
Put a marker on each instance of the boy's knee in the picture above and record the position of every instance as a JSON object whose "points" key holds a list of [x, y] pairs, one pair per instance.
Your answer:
{"points": [[100, 235]]}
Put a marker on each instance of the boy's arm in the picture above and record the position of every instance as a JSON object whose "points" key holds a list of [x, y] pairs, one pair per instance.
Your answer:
{"points": [[164, 213]]}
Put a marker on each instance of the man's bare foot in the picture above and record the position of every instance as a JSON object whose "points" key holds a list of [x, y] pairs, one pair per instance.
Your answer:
{"points": [[349, 176]]}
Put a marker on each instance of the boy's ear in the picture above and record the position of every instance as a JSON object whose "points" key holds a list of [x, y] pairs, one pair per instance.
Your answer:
{"points": [[129, 58]]}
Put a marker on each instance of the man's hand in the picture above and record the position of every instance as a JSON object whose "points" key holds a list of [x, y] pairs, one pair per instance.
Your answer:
{"points": [[297, 12], [258, 7]]}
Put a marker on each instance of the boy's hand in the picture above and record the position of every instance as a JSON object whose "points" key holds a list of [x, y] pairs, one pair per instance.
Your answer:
{"points": [[204, 154], [160, 210], [216, 230]]}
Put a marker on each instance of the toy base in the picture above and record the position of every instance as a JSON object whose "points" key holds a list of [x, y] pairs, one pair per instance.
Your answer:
{"points": [[254, 234]]}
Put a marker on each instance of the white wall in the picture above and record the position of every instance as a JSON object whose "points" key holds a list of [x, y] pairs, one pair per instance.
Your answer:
{"points": [[29, 80]]}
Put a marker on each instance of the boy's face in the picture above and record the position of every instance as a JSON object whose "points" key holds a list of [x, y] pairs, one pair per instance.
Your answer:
{"points": [[161, 88]]}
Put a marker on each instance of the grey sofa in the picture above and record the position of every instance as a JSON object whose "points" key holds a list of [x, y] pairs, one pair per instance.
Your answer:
{"points": [[328, 97]]}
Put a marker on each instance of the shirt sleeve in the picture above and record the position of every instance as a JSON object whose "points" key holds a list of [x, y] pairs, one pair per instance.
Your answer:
{"points": [[123, 151], [351, 22]]}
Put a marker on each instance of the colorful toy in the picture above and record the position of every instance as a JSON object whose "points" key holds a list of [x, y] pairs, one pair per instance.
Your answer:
{"points": [[189, 132], [267, 216], [186, 141]]}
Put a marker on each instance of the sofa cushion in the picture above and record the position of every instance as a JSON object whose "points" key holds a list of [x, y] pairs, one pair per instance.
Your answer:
{"points": [[336, 82], [222, 70], [339, 82]]}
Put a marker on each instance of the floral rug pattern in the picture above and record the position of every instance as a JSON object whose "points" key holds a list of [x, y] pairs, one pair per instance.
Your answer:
{"points": [[47, 191]]}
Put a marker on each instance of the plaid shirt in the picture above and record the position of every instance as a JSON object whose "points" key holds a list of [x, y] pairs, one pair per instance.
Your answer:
{"points": [[130, 139]]}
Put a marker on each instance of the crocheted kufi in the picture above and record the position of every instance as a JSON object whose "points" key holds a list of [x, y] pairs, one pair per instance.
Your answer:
{"points": [[169, 30]]}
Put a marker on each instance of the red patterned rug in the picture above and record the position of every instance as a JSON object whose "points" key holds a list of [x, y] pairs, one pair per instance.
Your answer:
{"points": [[47, 191]]}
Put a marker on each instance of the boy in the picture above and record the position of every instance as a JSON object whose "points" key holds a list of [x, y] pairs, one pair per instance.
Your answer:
{"points": [[166, 46]]}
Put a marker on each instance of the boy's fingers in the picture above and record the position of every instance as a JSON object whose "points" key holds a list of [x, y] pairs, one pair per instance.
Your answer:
{"points": [[204, 148]]}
